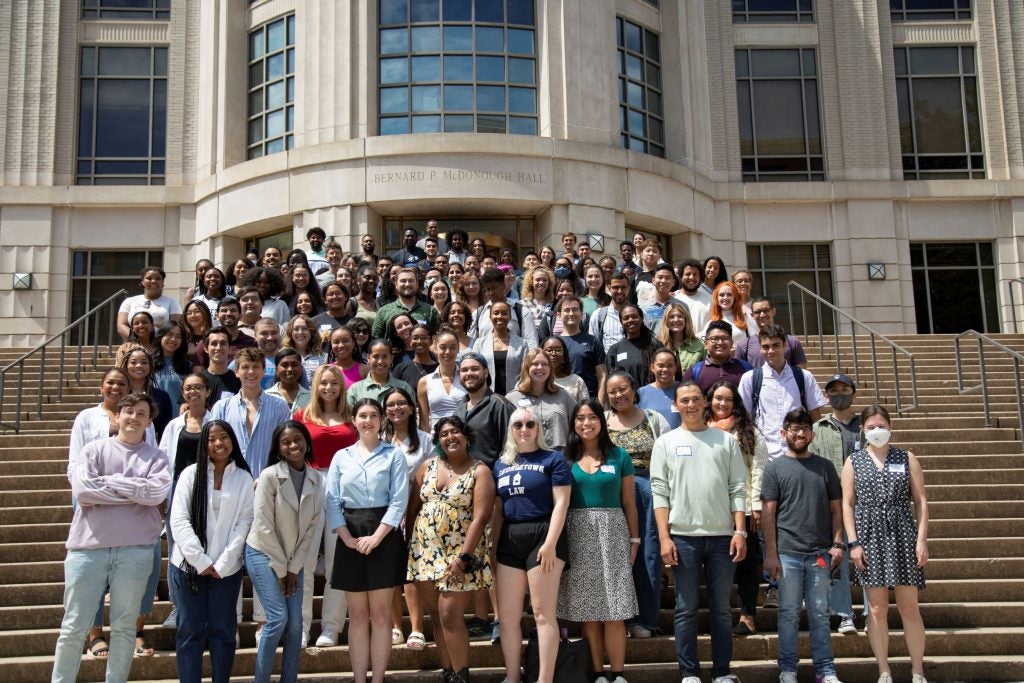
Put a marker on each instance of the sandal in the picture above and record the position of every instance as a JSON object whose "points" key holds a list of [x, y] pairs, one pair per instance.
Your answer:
{"points": [[100, 652], [416, 641], [141, 649], [396, 636]]}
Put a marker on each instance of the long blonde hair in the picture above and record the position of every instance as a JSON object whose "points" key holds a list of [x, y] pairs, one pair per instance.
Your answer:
{"points": [[665, 336], [316, 410], [510, 451], [314, 335], [524, 384]]}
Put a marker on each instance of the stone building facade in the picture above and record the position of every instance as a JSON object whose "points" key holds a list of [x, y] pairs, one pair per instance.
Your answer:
{"points": [[802, 139]]}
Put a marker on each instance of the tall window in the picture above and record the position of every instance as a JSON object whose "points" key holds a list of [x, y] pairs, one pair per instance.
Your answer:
{"points": [[930, 10], [774, 265], [780, 128], [271, 104], [458, 66], [772, 11], [954, 287], [640, 103], [96, 275], [126, 9], [122, 116], [940, 123]]}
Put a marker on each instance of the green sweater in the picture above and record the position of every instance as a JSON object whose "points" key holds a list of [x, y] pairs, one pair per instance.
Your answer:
{"points": [[701, 478]]}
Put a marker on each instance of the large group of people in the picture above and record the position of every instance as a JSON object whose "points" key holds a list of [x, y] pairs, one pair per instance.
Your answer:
{"points": [[442, 431]]}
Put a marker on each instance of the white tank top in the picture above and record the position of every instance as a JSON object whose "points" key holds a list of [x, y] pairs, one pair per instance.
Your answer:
{"points": [[441, 403]]}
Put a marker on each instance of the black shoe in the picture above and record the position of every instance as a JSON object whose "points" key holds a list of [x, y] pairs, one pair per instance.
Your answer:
{"points": [[741, 629], [478, 628]]}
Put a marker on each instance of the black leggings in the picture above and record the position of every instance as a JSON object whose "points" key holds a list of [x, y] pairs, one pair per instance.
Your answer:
{"points": [[748, 573]]}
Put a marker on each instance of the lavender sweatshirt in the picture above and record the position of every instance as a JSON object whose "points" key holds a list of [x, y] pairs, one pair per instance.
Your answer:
{"points": [[118, 487]]}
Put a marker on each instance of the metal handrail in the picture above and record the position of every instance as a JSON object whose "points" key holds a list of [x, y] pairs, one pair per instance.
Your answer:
{"points": [[1013, 305], [1016, 356], [874, 334], [82, 324]]}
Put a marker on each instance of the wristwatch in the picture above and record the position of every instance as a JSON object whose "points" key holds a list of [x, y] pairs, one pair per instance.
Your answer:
{"points": [[466, 559], [740, 532], [854, 544], [838, 546]]}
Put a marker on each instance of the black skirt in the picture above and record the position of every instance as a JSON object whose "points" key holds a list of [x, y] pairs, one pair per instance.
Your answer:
{"points": [[383, 568]]}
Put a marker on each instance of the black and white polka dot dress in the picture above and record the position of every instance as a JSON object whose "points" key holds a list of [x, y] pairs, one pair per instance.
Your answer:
{"points": [[885, 521]]}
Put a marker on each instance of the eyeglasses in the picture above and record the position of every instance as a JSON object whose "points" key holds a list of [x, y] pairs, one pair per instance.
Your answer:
{"points": [[764, 311], [529, 424], [717, 340], [193, 388], [799, 429]]}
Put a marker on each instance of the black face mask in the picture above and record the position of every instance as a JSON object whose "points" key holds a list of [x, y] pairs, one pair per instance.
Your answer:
{"points": [[840, 401]]}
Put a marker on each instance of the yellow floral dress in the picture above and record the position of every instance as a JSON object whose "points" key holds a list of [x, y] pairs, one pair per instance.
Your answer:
{"points": [[440, 530]]}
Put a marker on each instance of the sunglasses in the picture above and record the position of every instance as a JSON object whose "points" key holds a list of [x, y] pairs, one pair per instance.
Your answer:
{"points": [[529, 424]]}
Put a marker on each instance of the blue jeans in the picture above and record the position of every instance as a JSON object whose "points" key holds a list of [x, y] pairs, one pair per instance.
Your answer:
{"points": [[206, 616], [840, 600], [710, 553], [87, 573], [803, 580], [648, 566], [284, 618]]}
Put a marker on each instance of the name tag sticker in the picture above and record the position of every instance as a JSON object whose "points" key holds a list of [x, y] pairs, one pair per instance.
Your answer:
{"points": [[684, 451], [674, 409], [525, 402], [610, 469], [324, 328], [896, 468], [621, 356]]}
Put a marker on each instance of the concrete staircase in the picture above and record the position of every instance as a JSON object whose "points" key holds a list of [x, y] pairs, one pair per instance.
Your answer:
{"points": [[973, 606]]}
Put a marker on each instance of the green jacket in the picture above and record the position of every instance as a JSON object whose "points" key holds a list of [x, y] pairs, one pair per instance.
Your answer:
{"points": [[828, 442], [421, 312]]}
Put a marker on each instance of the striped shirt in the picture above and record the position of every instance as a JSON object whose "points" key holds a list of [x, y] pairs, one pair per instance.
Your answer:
{"points": [[606, 327], [255, 446]]}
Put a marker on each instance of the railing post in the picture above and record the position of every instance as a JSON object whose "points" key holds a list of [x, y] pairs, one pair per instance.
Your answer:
{"points": [[984, 382], [817, 313], [856, 357], [803, 315], [96, 336], [39, 394], [60, 371], [896, 378], [83, 329], [835, 336], [789, 303], [959, 365], [913, 380], [874, 366], [1013, 307], [1020, 400], [21, 393], [3, 381]]}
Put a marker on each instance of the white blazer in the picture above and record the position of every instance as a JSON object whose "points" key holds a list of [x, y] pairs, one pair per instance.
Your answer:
{"points": [[284, 524], [225, 532]]}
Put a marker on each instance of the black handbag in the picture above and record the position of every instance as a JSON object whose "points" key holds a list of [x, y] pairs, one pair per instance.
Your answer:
{"points": [[572, 665]]}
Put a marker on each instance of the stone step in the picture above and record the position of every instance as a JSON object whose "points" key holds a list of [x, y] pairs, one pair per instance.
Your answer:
{"points": [[30, 469], [647, 661], [34, 533]]}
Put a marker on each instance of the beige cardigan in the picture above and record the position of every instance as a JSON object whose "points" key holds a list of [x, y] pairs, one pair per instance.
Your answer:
{"points": [[284, 526]]}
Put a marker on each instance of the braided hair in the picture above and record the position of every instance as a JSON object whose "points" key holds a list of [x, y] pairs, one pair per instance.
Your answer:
{"points": [[198, 506]]}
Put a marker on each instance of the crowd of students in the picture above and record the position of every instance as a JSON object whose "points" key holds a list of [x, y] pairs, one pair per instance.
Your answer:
{"points": [[445, 431]]}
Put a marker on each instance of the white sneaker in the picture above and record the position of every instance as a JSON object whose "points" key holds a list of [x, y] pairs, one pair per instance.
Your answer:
{"points": [[690, 679], [846, 625], [619, 679], [728, 678], [639, 631], [884, 678], [327, 639], [305, 640], [918, 678], [828, 679], [259, 634], [787, 677], [600, 679]]}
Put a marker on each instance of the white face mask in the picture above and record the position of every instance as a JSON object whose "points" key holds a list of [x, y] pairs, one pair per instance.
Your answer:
{"points": [[878, 437]]}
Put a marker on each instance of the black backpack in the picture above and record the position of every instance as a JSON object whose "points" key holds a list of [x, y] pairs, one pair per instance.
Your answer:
{"points": [[758, 379]]}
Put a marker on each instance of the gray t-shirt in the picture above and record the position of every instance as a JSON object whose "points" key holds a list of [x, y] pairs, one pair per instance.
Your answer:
{"points": [[850, 434], [802, 488], [298, 478]]}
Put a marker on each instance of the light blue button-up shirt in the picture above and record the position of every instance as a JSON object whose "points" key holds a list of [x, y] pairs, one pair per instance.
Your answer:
{"points": [[255, 446], [379, 480]]}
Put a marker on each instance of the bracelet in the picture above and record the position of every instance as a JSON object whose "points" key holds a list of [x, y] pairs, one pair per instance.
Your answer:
{"points": [[740, 532], [838, 546], [634, 541], [854, 544]]}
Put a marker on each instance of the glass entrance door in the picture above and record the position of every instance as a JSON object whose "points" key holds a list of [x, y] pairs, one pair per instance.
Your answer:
{"points": [[515, 232]]}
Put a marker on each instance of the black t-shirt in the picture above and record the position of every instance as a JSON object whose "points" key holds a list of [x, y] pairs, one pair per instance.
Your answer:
{"points": [[802, 488], [626, 355], [220, 384], [187, 453], [410, 372]]}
